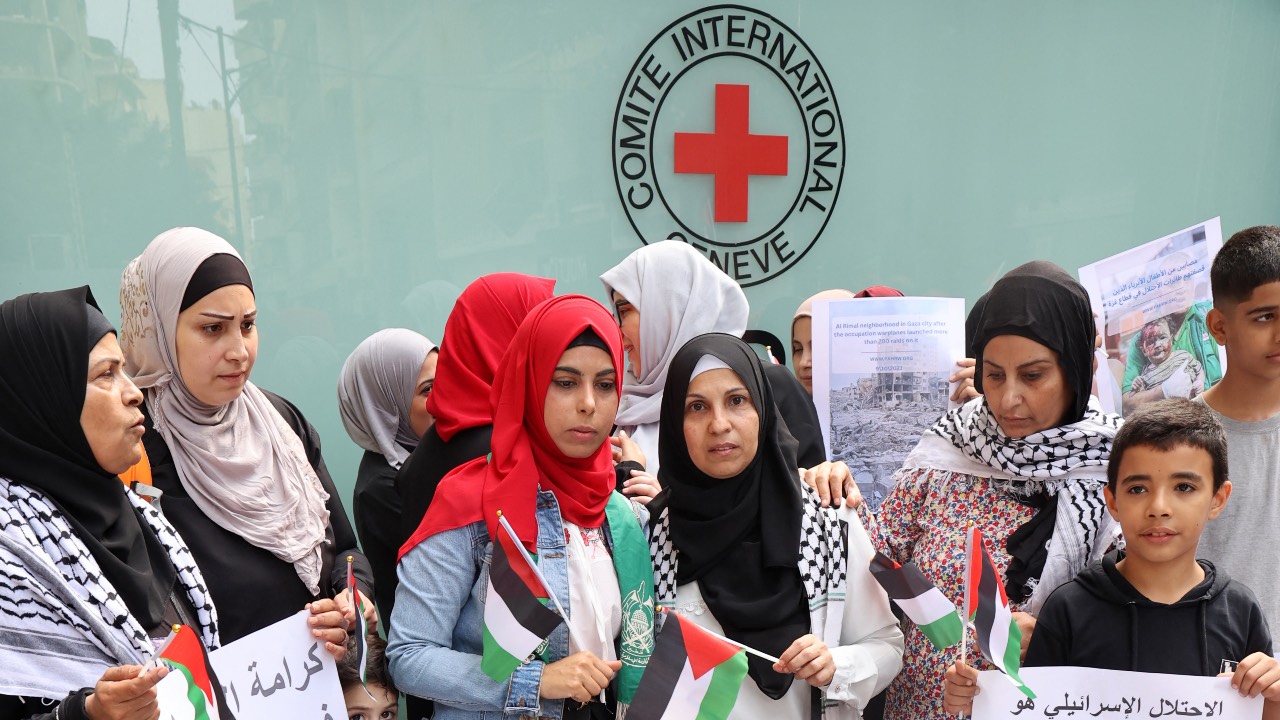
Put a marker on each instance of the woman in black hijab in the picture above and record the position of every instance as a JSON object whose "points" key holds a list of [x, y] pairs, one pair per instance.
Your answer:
{"points": [[94, 576], [744, 549], [1024, 463]]}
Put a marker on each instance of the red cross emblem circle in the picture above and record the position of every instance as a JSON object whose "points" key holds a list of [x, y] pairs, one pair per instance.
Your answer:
{"points": [[727, 135]]}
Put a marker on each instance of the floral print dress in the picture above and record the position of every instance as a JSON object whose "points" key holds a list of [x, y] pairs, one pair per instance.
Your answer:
{"points": [[924, 520]]}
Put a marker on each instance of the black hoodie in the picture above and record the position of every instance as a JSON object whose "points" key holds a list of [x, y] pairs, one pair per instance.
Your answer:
{"points": [[1100, 620]]}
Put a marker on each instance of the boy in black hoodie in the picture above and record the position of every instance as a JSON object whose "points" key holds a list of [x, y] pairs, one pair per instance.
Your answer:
{"points": [[1154, 607]]}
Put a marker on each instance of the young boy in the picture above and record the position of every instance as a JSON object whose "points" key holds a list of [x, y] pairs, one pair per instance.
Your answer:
{"points": [[1154, 607], [1245, 319], [381, 702]]}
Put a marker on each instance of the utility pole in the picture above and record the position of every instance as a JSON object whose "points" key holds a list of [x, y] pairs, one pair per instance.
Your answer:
{"points": [[168, 13], [231, 139]]}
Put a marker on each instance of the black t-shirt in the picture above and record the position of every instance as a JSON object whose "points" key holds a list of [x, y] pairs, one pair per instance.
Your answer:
{"points": [[421, 473], [375, 505]]}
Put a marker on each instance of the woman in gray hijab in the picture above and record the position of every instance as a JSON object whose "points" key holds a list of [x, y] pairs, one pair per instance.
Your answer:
{"points": [[382, 398]]}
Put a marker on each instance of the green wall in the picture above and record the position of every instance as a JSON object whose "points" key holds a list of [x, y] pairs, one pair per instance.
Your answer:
{"points": [[388, 152]]}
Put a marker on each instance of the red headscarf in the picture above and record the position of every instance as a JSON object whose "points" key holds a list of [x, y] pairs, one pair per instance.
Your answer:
{"points": [[878, 291], [524, 457], [476, 335]]}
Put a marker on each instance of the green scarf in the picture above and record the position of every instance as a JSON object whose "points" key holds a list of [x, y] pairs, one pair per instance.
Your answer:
{"points": [[634, 566]]}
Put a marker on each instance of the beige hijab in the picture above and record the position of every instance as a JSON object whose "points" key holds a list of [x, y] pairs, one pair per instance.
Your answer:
{"points": [[244, 467], [806, 307]]}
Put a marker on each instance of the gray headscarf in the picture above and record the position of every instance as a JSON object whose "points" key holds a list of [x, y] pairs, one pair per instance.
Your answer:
{"points": [[376, 391], [242, 464]]}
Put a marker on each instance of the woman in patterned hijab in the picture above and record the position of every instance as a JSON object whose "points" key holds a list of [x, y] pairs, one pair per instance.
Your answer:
{"points": [[1025, 462]]}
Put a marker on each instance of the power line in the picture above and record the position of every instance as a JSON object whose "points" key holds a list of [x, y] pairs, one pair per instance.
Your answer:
{"points": [[196, 40], [235, 38]]}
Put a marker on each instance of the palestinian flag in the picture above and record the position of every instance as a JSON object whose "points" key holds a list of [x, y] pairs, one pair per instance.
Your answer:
{"points": [[196, 693], [928, 608], [691, 674], [987, 607], [516, 618], [361, 630]]}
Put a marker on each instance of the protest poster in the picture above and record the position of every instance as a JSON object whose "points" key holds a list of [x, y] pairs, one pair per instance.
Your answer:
{"points": [[1067, 692], [1151, 303], [880, 369], [281, 671]]}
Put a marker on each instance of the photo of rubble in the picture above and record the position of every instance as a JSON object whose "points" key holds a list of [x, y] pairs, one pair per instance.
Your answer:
{"points": [[876, 419]]}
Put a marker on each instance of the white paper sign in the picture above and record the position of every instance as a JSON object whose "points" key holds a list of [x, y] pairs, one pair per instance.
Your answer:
{"points": [[880, 369], [281, 671], [1151, 303], [1076, 692]]}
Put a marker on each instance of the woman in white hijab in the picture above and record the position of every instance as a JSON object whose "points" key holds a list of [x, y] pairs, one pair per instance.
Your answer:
{"points": [[239, 467], [683, 296], [665, 294], [382, 398]]}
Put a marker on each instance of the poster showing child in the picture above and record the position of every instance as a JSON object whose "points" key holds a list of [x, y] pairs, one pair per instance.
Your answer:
{"points": [[1151, 302]]}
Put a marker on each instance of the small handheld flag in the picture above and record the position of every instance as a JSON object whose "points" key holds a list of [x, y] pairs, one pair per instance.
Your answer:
{"points": [[516, 617], [361, 631], [185, 654], [987, 607], [693, 673], [928, 608]]}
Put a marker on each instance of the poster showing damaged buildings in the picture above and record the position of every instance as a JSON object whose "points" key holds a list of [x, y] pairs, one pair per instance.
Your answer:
{"points": [[880, 369]]}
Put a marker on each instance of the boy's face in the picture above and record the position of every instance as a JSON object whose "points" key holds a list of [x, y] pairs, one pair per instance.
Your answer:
{"points": [[1250, 330], [383, 706], [1163, 498]]}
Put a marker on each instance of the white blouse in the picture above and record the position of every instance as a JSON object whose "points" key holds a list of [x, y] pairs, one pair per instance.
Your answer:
{"points": [[595, 603], [867, 655]]}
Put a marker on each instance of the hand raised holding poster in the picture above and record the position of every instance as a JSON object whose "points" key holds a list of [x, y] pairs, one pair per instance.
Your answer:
{"points": [[1151, 303], [281, 671], [880, 379]]}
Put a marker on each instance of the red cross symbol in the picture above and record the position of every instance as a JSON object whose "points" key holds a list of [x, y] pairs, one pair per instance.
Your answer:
{"points": [[731, 153]]}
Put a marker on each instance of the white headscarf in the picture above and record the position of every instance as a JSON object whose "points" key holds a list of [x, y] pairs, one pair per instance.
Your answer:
{"points": [[242, 464], [680, 295], [376, 391]]}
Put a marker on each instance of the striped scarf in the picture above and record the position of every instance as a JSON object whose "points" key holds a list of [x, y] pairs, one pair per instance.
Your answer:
{"points": [[61, 622], [1069, 461]]}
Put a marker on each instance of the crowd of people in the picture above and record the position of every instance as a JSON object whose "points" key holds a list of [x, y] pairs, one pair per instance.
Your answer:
{"points": [[648, 457]]}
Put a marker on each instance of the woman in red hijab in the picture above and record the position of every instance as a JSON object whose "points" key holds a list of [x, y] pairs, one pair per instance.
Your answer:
{"points": [[550, 475], [477, 333]]}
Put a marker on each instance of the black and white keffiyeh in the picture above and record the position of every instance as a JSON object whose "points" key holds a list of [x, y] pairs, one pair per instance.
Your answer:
{"points": [[1068, 463], [823, 555], [61, 622]]}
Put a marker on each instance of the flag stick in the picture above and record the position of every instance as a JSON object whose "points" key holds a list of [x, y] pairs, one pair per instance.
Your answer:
{"points": [[968, 581], [353, 592], [546, 585], [541, 578], [731, 641], [968, 591], [155, 660]]}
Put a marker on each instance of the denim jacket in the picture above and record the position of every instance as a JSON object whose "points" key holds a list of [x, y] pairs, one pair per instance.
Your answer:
{"points": [[435, 642]]}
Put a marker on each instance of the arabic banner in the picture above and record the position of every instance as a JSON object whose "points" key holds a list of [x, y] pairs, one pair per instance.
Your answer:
{"points": [[281, 671], [1151, 302], [1076, 692], [880, 369]]}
